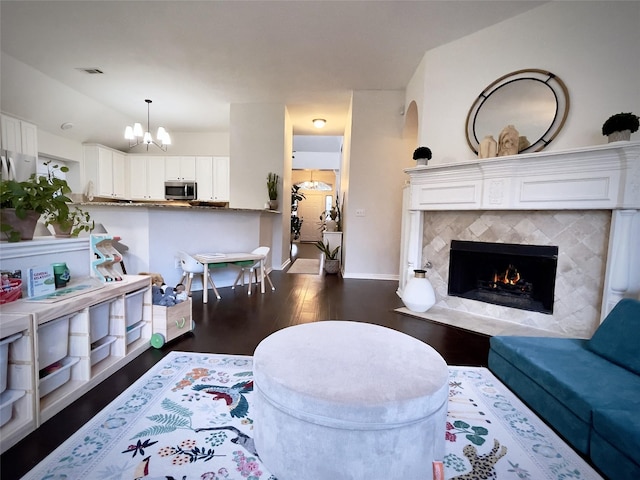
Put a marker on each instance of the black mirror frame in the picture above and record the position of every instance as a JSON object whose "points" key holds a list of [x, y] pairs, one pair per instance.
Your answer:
{"points": [[556, 85]]}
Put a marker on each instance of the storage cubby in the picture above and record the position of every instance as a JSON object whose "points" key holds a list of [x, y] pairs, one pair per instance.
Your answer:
{"points": [[17, 410], [62, 358], [76, 343]]}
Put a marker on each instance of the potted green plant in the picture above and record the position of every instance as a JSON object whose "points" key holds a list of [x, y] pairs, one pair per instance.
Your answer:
{"points": [[22, 203], [69, 222], [331, 260], [329, 220], [272, 189], [422, 155], [620, 126], [296, 221]]}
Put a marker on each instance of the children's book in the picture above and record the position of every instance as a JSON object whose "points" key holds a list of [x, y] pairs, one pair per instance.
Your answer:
{"points": [[40, 281]]}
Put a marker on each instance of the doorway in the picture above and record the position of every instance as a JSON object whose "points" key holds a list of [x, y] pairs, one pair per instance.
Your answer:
{"points": [[315, 164]]}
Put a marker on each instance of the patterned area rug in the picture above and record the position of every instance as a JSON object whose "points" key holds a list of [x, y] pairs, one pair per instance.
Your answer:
{"points": [[309, 266], [190, 417]]}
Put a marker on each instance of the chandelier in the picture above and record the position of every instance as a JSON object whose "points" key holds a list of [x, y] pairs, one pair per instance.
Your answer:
{"points": [[136, 136], [311, 185]]}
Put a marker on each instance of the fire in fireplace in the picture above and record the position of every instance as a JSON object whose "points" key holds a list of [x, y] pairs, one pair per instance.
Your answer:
{"points": [[517, 276]]}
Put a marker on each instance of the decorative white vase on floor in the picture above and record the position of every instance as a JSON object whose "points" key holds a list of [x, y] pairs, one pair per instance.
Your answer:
{"points": [[418, 294]]}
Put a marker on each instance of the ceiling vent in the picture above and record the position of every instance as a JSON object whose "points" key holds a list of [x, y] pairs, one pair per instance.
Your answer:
{"points": [[91, 70]]}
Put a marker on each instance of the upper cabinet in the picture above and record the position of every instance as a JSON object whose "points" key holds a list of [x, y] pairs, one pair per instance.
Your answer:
{"points": [[180, 168], [212, 174], [146, 177], [105, 168], [19, 136]]}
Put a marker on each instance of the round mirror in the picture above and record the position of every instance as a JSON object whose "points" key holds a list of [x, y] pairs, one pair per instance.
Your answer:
{"points": [[536, 102]]}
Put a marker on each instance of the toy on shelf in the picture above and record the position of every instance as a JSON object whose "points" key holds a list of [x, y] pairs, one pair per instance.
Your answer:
{"points": [[105, 257]]}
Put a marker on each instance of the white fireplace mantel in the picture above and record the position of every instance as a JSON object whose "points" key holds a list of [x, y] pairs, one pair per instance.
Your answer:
{"points": [[605, 177], [602, 177]]}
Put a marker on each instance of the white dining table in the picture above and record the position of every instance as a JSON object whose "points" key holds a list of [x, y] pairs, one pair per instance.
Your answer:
{"points": [[210, 258]]}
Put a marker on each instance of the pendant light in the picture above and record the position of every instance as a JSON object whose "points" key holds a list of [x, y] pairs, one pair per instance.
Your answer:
{"points": [[136, 135]]}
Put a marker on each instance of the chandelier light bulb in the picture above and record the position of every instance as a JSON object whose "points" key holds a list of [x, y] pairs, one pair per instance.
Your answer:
{"points": [[128, 133], [147, 138], [137, 130]]}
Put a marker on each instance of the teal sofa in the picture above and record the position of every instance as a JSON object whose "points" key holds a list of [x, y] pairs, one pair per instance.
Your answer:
{"points": [[587, 390]]}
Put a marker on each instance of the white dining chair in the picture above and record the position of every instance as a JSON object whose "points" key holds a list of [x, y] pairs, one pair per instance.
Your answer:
{"points": [[253, 267], [190, 267]]}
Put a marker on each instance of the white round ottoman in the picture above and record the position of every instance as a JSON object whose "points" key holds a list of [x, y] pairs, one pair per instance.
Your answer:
{"points": [[348, 400]]}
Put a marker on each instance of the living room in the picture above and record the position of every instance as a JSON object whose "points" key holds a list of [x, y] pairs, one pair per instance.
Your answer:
{"points": [[591, 46]]}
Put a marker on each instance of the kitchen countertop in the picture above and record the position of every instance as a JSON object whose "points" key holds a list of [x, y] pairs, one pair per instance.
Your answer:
{"points": [[201, 205]]}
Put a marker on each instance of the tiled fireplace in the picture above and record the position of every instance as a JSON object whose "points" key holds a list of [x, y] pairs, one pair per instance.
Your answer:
{"points": [[515, 275], [585, 202]]}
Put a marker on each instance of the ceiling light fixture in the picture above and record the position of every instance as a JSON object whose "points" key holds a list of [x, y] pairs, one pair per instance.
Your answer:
{"points": [[311, 185], [136, 136], [319, 122]]}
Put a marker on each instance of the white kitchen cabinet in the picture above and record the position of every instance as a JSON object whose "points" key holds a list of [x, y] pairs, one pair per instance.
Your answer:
{"points": [[180, 168], [105, 168], [146, 177], [212, 175], [221, 179], [19, 136]]}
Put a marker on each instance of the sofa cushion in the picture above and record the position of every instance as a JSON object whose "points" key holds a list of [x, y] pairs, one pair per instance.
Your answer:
{"points": [[618, 337], [568, 371], [573, 429], [621, 428]]}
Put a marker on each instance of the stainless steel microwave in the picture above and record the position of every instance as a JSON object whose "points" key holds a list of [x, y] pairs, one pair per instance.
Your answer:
{"points": [[180, 190]]}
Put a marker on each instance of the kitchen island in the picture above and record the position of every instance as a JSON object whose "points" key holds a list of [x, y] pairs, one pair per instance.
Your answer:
{"points": [[154, 232]]}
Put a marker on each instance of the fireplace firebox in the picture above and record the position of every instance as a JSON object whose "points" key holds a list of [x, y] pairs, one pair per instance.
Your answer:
{"points": [[512, 275]]}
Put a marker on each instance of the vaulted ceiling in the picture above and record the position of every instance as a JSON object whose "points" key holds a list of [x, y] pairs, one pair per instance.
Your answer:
{"points": [[195, 58]]}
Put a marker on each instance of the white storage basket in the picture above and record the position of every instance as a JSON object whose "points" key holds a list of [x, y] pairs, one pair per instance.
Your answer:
{"points": [[53, 341], [4, 358], [99, 320], [133, 305], [101, 349], [58, 377]]}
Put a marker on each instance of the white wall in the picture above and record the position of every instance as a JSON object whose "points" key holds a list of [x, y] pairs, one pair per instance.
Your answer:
{"points": [[378, 155], [317, 160], [261, 142], [591, 46]]}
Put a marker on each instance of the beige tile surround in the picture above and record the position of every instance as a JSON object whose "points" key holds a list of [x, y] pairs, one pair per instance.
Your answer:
{"points": [[582, 239]]}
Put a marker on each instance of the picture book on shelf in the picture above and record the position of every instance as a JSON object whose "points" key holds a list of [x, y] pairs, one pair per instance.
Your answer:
{"points": [[40, 281]]}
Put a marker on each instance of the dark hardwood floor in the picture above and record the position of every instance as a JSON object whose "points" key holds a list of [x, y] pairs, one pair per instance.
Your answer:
{"points": [[237, 323]]}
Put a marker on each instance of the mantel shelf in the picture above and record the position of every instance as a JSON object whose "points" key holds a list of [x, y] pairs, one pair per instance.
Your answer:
{"points": [[601, 177]]}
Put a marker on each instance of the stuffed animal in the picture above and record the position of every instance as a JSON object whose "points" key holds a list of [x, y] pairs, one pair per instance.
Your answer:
{"points": [[165, 298], [156, 279]]}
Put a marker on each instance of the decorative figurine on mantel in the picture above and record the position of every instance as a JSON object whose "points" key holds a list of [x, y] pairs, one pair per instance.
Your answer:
{"points": [[508, 141], [422, 155], [488, 147]]}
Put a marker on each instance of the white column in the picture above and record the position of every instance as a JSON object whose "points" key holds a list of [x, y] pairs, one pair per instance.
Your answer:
{"points": [[624, 243], [411, 249]]}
